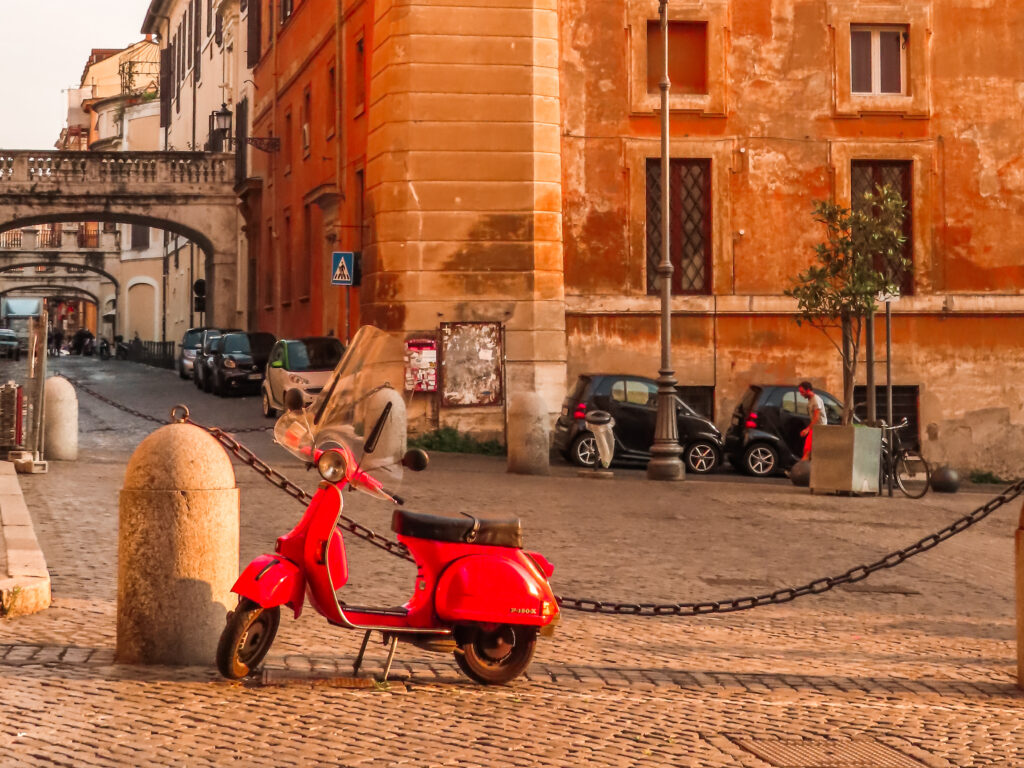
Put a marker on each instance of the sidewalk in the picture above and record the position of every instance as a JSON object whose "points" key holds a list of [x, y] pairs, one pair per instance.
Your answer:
{"points": [[913, 667], [24, 580]]}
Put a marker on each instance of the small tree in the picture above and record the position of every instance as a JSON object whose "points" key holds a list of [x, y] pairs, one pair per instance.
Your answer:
{"points": [[861, 258]]}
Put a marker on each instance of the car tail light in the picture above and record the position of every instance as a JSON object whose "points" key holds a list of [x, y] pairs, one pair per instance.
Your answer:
{"points": [[751, 421], [581, 411]]}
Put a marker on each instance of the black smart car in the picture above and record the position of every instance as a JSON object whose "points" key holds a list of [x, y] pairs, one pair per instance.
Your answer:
{"points": [[764, 435], [238, 361], [633, 403]]}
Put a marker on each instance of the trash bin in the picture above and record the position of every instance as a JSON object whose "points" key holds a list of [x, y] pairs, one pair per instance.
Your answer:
{"points": [[600, 424]]}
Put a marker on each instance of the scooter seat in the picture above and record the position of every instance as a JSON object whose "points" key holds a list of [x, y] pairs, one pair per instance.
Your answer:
{"points": [[468, 530]]}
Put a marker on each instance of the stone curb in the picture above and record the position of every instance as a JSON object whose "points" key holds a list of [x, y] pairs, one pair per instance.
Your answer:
{"points": [[25, 585]]}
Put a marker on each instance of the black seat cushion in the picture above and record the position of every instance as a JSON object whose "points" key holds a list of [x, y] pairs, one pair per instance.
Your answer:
{"points": [[494, 533]]}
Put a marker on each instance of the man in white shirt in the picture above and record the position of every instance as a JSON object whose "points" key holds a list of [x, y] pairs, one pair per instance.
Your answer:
{"points": [[817, 415]]}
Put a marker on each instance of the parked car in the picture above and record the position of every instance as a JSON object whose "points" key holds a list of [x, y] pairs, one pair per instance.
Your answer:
{"points": [[190, 344], [304, 363], [764, 435], [203, 352], [237, 362], [632, 402], [10, 346]]}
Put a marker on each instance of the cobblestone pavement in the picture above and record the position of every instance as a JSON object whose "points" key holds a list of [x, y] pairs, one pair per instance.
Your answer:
{"points": [[914, 666]]}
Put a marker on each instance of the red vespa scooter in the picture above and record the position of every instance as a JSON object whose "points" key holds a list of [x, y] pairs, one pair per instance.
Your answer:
{"points": [[477, 594]]}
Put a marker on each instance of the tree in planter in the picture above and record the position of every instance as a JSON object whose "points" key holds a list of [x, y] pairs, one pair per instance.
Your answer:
{"points": [[861, 257]]}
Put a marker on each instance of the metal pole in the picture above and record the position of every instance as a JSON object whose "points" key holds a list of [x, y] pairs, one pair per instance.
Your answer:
{"points": [[888, 383], [869, 353], [665, 463]]}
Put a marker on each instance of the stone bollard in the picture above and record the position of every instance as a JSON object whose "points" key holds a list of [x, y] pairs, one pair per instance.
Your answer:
{"points": [[177, 548], [529, 441], [60, 430], [1019, 568]]}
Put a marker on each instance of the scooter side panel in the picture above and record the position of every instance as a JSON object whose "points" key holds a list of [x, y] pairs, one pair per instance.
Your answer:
{"points": [[272, 580], [499, 588]]}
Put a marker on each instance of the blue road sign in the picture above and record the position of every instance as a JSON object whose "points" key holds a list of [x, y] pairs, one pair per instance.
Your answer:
{"points": [[342, 263]]}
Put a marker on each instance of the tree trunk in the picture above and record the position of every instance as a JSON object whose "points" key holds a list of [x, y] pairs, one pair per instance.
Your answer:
{"points": [[849, 367]]}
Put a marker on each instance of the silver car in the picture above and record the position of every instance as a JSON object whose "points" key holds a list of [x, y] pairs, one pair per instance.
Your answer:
{"points": [[187, 354]]}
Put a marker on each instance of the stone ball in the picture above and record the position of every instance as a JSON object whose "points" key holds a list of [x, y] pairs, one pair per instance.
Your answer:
{"points": [[945, 480], [800, 474], [179, 457]]}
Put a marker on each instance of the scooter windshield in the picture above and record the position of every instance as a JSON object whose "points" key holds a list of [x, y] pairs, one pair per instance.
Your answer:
{"points": [[359, 408]]}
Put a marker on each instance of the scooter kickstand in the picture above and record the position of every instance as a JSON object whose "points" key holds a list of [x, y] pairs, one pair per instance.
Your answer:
{"points": [[391, 657], [359, 657]]}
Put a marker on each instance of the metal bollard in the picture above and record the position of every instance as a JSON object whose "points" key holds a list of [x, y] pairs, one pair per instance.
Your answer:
{"points": [[177, 548], [60, 430], [529, 441]]}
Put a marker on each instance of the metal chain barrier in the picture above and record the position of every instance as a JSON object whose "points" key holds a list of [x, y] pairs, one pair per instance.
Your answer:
{"points": [[587, 605], [787, 594], [146, 416]]}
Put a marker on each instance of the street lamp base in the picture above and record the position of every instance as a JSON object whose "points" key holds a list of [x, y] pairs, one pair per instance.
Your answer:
{"points": [[665, 463]]}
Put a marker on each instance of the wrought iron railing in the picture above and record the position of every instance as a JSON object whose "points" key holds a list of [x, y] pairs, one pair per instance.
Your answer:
{"points": [[10, 239], [88, 239], [50, 238]]}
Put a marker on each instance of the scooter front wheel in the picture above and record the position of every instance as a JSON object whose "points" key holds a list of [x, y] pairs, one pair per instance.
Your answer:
{"points": [[246, 639], [495, 657]]}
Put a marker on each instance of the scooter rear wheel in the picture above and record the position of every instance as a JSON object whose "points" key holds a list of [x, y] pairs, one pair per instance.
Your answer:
{"points": [[246, 639], [495, 657]]}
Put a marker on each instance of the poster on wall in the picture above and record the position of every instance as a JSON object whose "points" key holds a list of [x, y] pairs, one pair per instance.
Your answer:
{"points": [[472, 364], [421, 365]]}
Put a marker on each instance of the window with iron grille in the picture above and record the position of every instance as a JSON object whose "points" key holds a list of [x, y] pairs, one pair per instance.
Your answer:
{"points": [[689, 228], [867, 176]]}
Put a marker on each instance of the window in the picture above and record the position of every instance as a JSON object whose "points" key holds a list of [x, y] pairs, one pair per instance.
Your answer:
{"points": [[878, 63], [305, 120], [690, 225], [867, 176], [267, 268], [905, 401], [287, 148], [687, 56], [140, 237], [332, 101], [635, 392], [306, 254], [359, 86], [287, 268], [793, 402]]}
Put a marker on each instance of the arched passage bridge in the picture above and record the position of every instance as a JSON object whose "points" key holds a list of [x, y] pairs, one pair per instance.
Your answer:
{"points": [[189, 193]]}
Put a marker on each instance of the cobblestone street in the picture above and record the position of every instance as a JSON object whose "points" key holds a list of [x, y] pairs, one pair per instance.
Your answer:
{"points": [[914, 666]]}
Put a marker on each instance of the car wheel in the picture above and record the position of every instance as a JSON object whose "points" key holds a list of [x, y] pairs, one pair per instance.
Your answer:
{"points": [[761, 460], [181, 370], [583, 451], [701, 457], [197, 378], [268, 410]]}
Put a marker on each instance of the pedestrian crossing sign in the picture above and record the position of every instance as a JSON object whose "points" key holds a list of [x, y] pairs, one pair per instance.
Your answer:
{"points": [[341, 267]]}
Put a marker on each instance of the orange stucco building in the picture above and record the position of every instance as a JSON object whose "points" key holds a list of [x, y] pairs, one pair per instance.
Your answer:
{"points": [[498, 164]]}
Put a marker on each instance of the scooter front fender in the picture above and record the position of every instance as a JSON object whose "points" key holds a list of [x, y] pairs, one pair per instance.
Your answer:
{"points": [[272, 580]]}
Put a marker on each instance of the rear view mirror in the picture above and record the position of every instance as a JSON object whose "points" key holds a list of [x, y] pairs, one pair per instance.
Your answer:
{"points": [[415, 459], [293, 399]]}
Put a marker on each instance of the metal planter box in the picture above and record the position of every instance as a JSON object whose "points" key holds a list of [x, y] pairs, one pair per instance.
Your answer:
{"points": [[845, 459]]}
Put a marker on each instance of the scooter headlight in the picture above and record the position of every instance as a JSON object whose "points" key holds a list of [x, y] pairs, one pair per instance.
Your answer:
{"points": [[332, 466]]}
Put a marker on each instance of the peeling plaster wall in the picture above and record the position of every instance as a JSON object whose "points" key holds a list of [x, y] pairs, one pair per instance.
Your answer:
{"points": [[786, 136]]}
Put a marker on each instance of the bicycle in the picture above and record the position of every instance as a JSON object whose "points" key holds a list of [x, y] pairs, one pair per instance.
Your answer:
{"points": [[908, 469]]}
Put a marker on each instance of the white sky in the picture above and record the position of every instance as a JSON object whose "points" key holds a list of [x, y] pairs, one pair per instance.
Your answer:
{"points": [[45, 45]]}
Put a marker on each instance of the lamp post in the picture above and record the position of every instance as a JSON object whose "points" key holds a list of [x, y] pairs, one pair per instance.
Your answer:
{"points": [[665, 463], [222, 127]]}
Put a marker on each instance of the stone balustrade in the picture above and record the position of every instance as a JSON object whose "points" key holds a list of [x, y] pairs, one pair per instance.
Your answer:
{"points": [[139, 169]]}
